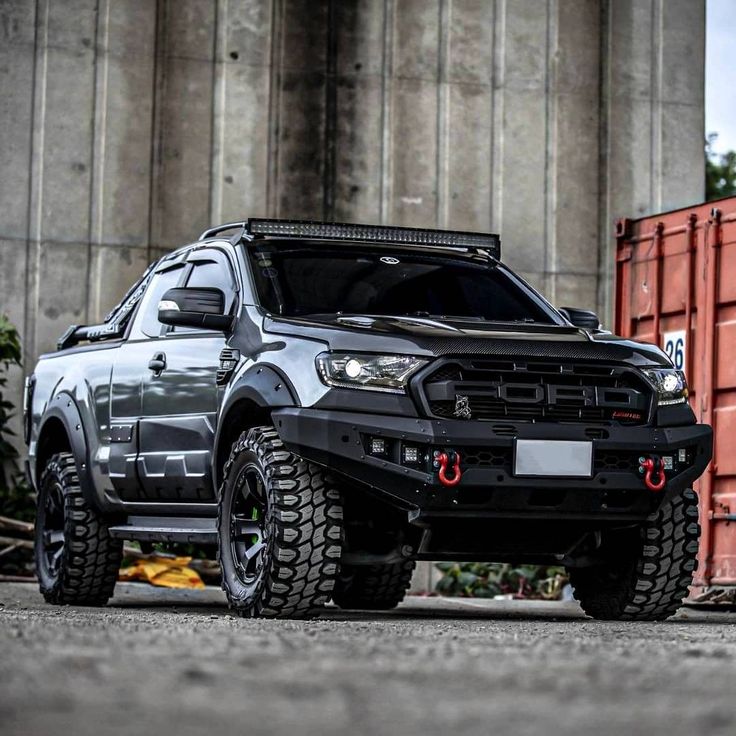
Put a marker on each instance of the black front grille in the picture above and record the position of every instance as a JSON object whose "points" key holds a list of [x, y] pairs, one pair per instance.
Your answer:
{"points": [[536, 391]]}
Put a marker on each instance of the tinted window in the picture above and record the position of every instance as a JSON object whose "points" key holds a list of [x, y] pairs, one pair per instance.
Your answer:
{"points": [[217, 275], [146, 321], [304, 280]]}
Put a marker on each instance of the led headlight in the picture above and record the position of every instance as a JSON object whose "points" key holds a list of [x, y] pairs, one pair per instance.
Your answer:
{"points": [[388, 373], [670, 384]]}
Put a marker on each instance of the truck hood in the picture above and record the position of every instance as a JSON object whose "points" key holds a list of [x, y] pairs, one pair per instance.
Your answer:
{"points": [[429, 337]]}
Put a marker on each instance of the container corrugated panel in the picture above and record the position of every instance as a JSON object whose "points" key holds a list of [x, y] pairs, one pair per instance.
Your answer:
{"points": [[676, 286]]}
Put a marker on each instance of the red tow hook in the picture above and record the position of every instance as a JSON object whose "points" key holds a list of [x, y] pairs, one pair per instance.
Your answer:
{"points": [[444, 459], [649, 466]]}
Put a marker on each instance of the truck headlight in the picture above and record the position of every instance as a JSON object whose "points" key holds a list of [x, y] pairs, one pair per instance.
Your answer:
{"points": [[389, 373], [670, 384]]}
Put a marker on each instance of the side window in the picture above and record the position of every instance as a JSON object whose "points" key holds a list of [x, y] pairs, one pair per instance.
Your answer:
{"points": [[216, 274], [211, 269], [146, 322]]}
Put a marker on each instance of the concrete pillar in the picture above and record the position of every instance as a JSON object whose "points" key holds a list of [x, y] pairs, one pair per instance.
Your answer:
{"points": [[652, 115]]}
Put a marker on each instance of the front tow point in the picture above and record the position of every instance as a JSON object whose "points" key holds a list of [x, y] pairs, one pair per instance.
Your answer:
{"points": [[651, 466], [443, 460]]}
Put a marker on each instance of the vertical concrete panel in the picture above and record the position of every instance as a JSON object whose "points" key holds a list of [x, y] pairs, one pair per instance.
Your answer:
{"points": [[468, 160], [241, 143], [300, 110], [241, 109], [573, 246], [123, 120], [65, 161], [359, 113], [414, 153], [62, 300], [524, 153], [467, 72], [414, 114], [17, 35], [682, 102], [181, 195]]}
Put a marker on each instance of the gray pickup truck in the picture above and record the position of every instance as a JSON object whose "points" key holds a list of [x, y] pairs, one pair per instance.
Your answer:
{"points": [[327, 404]]}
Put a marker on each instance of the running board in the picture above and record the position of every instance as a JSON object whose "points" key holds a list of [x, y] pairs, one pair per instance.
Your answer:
{"points": [[167, 529]]}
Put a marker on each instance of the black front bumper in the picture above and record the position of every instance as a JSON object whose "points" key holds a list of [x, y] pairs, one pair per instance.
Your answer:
{"points": [[488, 488]]}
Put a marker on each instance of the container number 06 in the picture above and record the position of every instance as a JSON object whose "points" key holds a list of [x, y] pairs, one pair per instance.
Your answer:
{"points": [[675, 347]]}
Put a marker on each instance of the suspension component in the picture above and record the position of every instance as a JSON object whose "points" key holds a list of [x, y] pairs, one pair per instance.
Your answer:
{"points": [[651, 466], [444, 460]]}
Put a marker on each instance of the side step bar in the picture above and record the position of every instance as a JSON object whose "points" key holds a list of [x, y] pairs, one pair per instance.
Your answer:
{"points": [[167, 529]]}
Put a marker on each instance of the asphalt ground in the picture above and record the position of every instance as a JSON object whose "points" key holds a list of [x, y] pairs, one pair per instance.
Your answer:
{"points": [[178, 662]]}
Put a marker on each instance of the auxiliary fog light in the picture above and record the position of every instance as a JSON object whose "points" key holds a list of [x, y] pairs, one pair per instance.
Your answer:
{"points": [[410, 455], [378, 446]]}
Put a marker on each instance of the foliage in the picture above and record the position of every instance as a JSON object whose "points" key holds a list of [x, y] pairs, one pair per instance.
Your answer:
{"points": [[15, 500], [487, 580], [720, 171]]}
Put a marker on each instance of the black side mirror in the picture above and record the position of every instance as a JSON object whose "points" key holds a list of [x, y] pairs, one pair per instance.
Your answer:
{"points": [[194, 307], [581, 318]]}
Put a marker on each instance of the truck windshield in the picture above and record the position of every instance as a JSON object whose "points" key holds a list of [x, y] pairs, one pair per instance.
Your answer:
{"points": [[305, 280]]}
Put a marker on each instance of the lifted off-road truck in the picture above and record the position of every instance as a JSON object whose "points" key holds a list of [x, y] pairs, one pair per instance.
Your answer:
{"points": [[329, 403]]}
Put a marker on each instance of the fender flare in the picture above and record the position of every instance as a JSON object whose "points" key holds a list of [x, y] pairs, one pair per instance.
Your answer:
{"points": [[64, 408], [266, 387]]}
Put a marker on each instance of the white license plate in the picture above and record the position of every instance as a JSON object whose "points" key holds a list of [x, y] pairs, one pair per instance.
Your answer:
{"points": [[553, 458]]}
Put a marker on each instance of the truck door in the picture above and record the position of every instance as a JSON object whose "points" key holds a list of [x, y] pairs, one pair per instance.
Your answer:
{"points": [[179, 396], [129, 370]]}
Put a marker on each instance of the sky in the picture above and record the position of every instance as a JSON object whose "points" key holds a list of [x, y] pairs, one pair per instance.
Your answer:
{"points": [[720, 73]]}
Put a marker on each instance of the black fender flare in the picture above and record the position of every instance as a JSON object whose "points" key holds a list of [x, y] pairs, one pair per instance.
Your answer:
{"points": [[266, 387], [64, 408]]}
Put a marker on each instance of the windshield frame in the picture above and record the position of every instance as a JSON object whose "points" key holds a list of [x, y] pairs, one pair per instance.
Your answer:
{"points": [[461, 256]]}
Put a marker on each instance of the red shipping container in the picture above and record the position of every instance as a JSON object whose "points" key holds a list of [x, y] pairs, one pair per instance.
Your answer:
{"points": [[676, 286]]}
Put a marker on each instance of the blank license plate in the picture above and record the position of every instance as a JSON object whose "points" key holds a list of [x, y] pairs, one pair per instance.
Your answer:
{"points": [[553, 458]]}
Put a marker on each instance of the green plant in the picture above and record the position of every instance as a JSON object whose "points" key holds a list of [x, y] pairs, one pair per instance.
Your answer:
{"points": [[15, 499], [720, 171], [487, 580]]}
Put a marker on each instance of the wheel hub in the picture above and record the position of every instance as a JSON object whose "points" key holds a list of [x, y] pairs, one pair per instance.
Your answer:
{"points": [[248, 534]]}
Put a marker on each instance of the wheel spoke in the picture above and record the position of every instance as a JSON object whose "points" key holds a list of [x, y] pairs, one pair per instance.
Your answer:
{"points": [[52, 538], [251, 552], [243, 526], [55, 559]]}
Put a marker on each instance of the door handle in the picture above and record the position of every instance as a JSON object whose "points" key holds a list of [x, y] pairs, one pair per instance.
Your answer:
{"points": [[157, 364]]}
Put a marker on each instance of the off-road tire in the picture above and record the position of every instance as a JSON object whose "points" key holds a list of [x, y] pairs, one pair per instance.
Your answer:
{"points": [[650, 582], [302, 530], [89, 560], [373, 587]]}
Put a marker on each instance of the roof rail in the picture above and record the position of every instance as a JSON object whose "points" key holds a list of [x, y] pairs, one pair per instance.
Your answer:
{"points": [[309, 230], [211, 232]]}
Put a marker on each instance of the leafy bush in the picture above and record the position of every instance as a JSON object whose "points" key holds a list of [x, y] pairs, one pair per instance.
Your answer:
{"points": [[487, 580], [15, 499]]}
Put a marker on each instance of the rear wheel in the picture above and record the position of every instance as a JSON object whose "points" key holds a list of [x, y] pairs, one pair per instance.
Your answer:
{"points": [[279, 529], [373, 587], [647, 572], [77, 561]]}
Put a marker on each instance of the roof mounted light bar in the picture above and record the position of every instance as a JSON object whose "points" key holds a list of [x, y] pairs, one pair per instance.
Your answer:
{"points": [[305, 229]]}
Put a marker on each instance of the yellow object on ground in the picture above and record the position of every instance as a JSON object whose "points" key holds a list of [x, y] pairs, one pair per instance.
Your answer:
{"points": [[168, 572]]}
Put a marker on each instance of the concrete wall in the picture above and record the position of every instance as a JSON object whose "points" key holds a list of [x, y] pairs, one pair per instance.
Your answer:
{"points": [[129, 125]]}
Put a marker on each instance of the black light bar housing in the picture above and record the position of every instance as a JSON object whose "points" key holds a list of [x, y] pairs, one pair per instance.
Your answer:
{"points": [[309, 230], [374, 234]]}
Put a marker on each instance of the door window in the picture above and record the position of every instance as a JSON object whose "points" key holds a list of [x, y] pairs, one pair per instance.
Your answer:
{"points": [[146, 322]]}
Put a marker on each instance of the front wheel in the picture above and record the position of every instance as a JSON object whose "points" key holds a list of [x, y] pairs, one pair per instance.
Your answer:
{"points": [[279, 529], [647, 571]]}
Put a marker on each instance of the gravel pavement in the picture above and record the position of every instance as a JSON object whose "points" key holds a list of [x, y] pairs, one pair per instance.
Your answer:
{"points": [[177, 662]]}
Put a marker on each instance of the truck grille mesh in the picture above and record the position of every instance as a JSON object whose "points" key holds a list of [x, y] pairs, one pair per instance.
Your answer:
{"points": [[536, 391]]}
